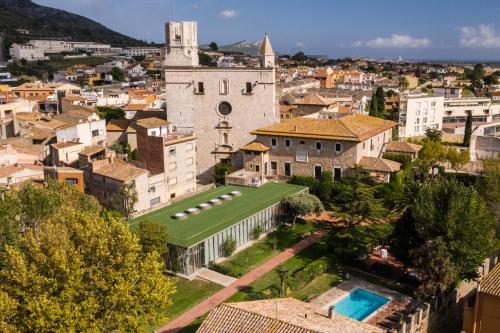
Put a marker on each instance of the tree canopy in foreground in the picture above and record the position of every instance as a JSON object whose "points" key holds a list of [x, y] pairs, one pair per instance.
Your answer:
{"points": [[68, 265]]}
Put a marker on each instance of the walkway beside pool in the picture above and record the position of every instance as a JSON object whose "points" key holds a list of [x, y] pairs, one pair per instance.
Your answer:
{"points": [[398, 302], [216, 299]]}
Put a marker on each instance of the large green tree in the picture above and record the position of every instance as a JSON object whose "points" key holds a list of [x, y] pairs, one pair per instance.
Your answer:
{"points": [[302, 204], [74, 267], [153, 237], [448, 212]]}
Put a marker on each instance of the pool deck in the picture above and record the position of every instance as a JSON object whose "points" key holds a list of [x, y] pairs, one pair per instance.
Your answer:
{"points": [[398, 301]]}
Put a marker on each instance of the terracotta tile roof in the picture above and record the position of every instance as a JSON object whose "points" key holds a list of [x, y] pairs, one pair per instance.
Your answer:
{"points": [[152, 122], [256, 146], [59, 145], [8, 170], [135, 107], [378, 164], [354, 127], [403, 147], [119, 170], [91, 150], [280, 316], [286, 108], [490, 284], [117, 125]]}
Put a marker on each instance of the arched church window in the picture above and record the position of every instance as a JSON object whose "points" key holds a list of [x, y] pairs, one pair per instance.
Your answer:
{"points": [[225, 139], [224, 87]]}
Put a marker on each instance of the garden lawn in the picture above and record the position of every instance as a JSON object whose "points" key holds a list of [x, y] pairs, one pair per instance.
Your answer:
{"points": [[268, 284], [188, 295], [246, 260]]}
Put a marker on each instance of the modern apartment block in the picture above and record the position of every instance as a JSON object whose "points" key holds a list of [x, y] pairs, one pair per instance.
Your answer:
{"points": [[482, 108], [417, 113]]}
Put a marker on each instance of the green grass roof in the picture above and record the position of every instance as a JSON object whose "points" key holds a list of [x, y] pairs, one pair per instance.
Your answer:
{"points": [[197, 228]]}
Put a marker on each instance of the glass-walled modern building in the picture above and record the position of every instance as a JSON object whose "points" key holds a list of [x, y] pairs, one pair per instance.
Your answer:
{"points": [[199, 226]]}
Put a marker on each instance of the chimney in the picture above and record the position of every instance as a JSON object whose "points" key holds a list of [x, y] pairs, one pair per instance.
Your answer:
{"points": [[331, 309]]}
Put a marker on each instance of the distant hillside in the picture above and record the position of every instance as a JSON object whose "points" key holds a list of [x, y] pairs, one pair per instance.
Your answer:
{"points": [[53, 23], [245, 47]]}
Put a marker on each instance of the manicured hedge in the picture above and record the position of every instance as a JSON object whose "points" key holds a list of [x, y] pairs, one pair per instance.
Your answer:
{"points": [[309, 272]]}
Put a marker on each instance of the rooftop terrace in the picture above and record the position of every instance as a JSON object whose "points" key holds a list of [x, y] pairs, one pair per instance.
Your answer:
{"points": [[196, 228]]}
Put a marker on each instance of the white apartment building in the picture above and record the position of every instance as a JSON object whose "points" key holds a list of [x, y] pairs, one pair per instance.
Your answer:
{"points": [[89, 133], [26, 51], [482, 108], [140, 51], [52, 46], [419, 112]]}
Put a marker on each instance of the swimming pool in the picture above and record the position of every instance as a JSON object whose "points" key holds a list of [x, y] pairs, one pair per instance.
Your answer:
{"points": [[359, 304]]}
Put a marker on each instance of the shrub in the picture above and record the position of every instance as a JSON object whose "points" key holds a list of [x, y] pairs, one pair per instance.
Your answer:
{"points": [[310, 271], [229, 246], [400, 158], [257, 231], [219, 268], [310, 182]]}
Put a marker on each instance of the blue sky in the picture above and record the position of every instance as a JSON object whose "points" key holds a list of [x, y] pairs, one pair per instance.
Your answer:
{"points": [[423, 29]]}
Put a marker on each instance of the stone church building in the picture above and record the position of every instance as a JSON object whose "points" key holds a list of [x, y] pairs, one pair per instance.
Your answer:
{"points": [[221, 105]]}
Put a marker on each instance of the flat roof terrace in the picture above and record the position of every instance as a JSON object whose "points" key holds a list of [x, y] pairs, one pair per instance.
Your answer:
{"points": [[196, 228]]}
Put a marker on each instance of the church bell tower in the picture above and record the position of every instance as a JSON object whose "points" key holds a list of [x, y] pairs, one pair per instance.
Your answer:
{"points": [[181, 44]]}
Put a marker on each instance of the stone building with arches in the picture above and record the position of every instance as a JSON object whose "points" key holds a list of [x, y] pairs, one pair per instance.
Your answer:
{"points": [[220, 105]]}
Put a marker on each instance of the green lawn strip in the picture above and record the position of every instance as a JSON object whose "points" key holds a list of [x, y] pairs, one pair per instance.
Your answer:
{"points": [[246, 260], [271, 281], [188, 295], [318, 286]]}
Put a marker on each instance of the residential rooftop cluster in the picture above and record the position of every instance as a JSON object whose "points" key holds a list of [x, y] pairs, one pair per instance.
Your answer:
{"points": [[217, 147]]}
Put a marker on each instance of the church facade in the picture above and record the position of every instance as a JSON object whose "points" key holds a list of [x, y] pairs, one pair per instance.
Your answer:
{"points": [[220, 105]]}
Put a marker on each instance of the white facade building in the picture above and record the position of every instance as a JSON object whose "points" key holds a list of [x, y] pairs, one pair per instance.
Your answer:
{"points": [[26, 51], [482, 109], [141, 51], [220, 105], [52, 46], [91, 132], [418, 113]]}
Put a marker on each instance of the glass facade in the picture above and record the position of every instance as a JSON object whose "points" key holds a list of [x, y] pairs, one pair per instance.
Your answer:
{"points": [[188, 260]]}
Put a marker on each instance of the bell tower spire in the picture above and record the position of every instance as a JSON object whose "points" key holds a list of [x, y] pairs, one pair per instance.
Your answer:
{"points": [[266, 53]]}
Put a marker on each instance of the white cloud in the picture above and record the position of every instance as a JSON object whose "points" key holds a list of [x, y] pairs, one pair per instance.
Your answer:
{"points": [[230, 13], [394, 41], [300, 44], [481, 36]]}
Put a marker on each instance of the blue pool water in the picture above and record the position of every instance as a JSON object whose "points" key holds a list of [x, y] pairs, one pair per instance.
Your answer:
{"points": [[359, 304]]}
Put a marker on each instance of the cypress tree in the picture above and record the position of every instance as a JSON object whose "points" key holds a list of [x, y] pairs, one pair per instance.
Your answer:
{"points": [[374, 106], [468, 130], [380, 100]]}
